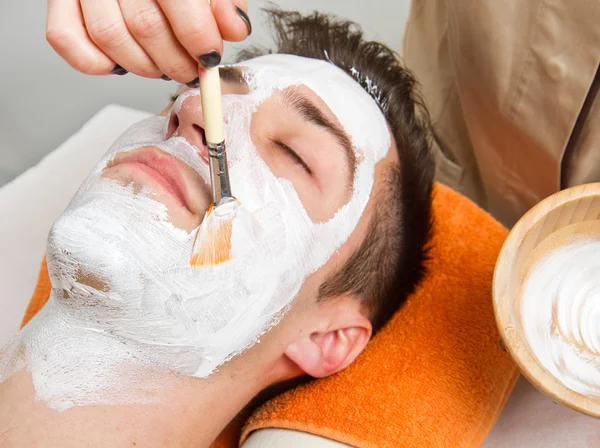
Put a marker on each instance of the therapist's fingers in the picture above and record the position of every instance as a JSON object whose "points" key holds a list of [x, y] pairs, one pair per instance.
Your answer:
{"points": [[232, 19], [66, 34], [106, 27], [195, 27], [150, 28]]}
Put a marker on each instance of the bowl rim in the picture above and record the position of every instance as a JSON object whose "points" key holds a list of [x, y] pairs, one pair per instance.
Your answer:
{"points": [[514, 343]]}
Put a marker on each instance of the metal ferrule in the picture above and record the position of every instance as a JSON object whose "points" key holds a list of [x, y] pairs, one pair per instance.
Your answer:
{"points": [[219, 174]]}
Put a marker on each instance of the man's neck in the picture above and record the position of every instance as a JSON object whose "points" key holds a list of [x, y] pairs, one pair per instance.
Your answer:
{"points": [[218, 399], [187, 412]]}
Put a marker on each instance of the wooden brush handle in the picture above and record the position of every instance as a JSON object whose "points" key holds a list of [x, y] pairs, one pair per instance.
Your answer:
{"points": [[212, 106]]}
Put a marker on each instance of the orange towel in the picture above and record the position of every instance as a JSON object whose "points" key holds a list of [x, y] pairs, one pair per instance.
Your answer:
{"points": [[435, 376]]}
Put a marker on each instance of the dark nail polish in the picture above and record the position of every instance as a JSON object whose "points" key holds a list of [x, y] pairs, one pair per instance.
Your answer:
{"points": [[245, 18], [502, 346], [165, 77], [210, 60], [118, 70], [194, 84]]}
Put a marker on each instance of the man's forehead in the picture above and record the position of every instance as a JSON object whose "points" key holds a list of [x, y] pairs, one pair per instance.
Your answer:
{"points": [[283, 70], [282, 65], [354, 108]]}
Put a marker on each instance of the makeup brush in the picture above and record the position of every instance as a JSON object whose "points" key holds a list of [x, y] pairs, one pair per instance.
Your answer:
{"points": [[213, 242]]}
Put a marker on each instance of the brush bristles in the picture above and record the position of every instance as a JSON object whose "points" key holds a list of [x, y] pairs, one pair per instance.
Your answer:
{"points": [[213, 243]]}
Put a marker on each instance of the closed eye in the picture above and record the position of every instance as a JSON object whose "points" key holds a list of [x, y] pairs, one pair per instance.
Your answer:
{"points": [[293, 154]]}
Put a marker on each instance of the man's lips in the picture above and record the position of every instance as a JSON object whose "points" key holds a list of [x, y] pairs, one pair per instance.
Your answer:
{"points": [[174, 176]]}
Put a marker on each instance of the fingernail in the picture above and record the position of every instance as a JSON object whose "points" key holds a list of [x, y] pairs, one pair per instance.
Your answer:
{"points": [[245, 18], [502, 346], [193, 84], [118, 70], [210, 60], [165, 77]]}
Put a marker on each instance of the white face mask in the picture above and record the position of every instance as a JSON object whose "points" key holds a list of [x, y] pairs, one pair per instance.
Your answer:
{"points": [[154, 310]]}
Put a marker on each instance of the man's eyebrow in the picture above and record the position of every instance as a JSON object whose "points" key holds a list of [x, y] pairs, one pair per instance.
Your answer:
{"points": [[312, 114], [232, 74]]}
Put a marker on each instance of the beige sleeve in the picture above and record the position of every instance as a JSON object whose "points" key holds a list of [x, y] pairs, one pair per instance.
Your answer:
{"points": [[505, 83]]}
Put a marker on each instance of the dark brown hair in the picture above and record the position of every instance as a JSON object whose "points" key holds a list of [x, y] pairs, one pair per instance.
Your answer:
{"points": [[390, 261]]}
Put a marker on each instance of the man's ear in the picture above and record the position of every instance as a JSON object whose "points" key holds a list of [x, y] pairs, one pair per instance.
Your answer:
{"points": [[344, 334]]}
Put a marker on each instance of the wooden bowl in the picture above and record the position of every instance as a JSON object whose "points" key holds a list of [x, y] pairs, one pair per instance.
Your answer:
{"points": [[558, 220]]}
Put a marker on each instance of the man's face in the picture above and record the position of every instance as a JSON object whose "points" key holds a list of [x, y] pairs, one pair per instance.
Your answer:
{"points": [[294, 132], [303, 142]]}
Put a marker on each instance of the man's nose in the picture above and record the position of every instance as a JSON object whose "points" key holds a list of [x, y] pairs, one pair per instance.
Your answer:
{"points": [[188, 123]]}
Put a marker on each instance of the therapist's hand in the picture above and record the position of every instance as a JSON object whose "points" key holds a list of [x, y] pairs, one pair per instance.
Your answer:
{"points": [[151, 38]]}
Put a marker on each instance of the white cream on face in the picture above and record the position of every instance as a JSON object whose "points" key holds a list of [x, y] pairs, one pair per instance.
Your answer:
{"points": [[146, 308], [560, 314]]}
